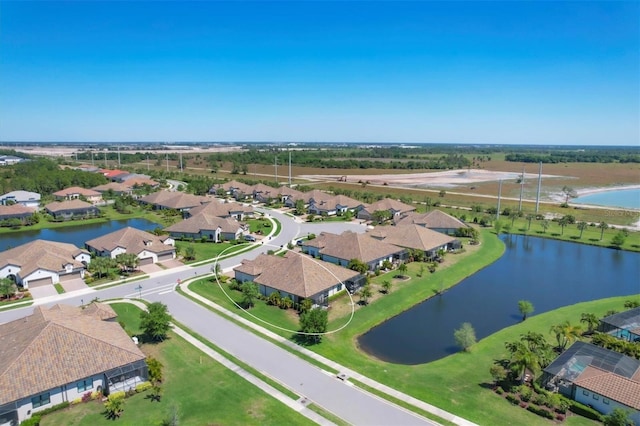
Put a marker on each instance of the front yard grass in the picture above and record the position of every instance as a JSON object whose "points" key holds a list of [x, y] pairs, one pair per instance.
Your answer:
{"points": [[197, 387], [208, 250]]}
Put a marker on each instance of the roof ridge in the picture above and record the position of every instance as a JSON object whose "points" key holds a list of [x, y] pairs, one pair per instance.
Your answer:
{"points": [[92, 337]]}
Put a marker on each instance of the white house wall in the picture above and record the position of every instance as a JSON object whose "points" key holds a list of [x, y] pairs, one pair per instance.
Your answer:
{"points": [[587, 397], [38, 275], [83, 257], [9, 270], [57, 395]]}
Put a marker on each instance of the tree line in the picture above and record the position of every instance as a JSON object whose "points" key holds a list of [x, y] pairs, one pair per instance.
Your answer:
{"points": [[627, 155]]}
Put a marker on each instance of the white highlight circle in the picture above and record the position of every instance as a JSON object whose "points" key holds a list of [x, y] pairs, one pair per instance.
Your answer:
{"points": [[353, 308]]}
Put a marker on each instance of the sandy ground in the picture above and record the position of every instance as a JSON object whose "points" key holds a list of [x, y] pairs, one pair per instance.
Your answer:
{"points": [[448, 178], [69, 151]]}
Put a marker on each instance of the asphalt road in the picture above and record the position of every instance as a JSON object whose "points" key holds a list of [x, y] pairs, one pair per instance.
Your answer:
{"points": [[347, 402]]}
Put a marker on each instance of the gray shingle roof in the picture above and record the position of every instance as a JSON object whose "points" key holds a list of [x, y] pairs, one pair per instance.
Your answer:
{"points": [[132, 240], [41, 254], [350, 245]]}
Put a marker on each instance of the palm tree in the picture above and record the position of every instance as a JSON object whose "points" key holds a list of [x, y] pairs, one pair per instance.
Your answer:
{"points": [[591, 320], [523, 359], [525, 307], [365, 294], [581, 227], [545, 225], [529, 218], [564, 221], [602, 226], [565, 333]]}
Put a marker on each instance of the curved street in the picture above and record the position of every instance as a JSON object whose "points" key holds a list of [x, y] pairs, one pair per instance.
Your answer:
{"points": [[341, 398]]}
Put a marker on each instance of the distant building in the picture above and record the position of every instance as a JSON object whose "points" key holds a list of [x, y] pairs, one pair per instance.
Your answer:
{"points": [[16, 211], [148, 247], [416, 237], [67, 210], [76, 192], [624, 325], [394, 207], [435, 220], [181, 201], [26, 198], [9, 160]]}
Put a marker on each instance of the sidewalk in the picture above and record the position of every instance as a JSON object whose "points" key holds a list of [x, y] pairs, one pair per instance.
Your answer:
{"points": [[297, 406], [343, 370]]}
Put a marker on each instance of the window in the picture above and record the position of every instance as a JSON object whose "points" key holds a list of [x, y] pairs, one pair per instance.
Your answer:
{"points": [[585, 393], [85, 385], [596, 397], [40, 400], [605, 400]]}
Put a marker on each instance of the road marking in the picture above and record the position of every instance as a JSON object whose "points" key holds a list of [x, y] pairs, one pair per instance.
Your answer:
{"points": [[149, 291], [165, 292]]}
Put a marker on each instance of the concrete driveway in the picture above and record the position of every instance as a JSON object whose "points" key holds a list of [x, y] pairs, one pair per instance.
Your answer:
{"points": [[73, 285], [43, 291], [172, 263], [151, 268]]}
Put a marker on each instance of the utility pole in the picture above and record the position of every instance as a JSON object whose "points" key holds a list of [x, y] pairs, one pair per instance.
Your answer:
{"points": [[521, 189], [289, 169], [181, 162], [499, 195], [106, 165], [539, 186], [167, 162], [147, 162], [92, 161], [118, 156], [276, 164]]}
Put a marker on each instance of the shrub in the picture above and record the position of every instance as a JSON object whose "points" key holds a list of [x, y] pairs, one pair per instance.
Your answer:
{"points": [[540, 411], [86, 397], [560, 417], [56, 407], [33, 421], [499, 390], [143, 387], [525, 393], [512, 399], [540, 399], [117, 395], [76, 401], [584, 411]]}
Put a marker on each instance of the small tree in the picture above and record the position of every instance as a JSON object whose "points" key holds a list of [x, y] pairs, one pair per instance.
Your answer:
{"points": [[386, 286], [274, 298], [545, 225], [591, 321], [442, 193], [569, 193], [190, 253], [525, 307], [529, 217], [114, 406], [402, 268], [358, 266], [602, 226], [618, 239], [498, 226], [365, 294], [156, 321], [618, 417], [581, 227], [7, 288], [465, 336], [314, 321], [155, 370], [498, 372], [249, 294], [300, 210]]}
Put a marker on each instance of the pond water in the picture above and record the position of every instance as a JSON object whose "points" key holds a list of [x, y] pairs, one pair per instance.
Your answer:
{"points": [[548, 273], [627, 198], [76, 235]]}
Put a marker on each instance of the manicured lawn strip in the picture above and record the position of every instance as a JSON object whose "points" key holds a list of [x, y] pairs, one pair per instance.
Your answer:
{"points": [[262, 224], [102, 281], [208, 251], [202, 391], [457, 383], [59, 288], [400, 403], [285, 347], [15, 304], [271, 314], [129, 315], [278, 226], [327, 415]]}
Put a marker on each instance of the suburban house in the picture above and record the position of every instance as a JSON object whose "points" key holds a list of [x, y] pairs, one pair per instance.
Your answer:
{"points": [[139, 181], [435, 220], [112, 174], [59, 354], [207, 225], [235, 189], [264, 193], [181, 201], [223, 209], [415, 237], [340, 249], [116, 188], [148, 247], [284, 193], [25, 198], [76, 192], [16, 211], [315, 196], [394, 207], [297, 276], [42, 262], [71, 209], [598, 377], [624, 325], [333, 205]]}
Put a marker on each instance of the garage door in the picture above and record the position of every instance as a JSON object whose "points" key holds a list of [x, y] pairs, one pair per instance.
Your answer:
{"points": [[71, 276], [41, 282], [146, 261], [166, 256]]}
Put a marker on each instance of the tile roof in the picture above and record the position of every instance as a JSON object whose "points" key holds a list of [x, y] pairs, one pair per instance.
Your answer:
{"points": [[610, 385], [391, 205], [56, 346], [350, 245], [132, 240], [296, 273], [75, 204], [41, 254], [21, 196], [204, 221], [76, 190], [236, 186], [175, 199], [411, 236], [317, 196], [138, 181], [432, 219], [285, 191], [219, 209], [16, 209], [116, 187]]}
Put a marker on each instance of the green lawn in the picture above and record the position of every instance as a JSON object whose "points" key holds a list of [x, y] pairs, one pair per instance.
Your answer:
{"points": [[205, 251], [201, 390], [261, 224]]}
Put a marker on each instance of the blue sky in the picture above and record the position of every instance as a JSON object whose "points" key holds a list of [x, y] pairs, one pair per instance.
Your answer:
{"points": [[450, 72]]}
